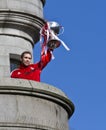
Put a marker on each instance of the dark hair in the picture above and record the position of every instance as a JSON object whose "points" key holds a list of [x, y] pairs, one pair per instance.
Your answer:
{"points": [[26, 52]]}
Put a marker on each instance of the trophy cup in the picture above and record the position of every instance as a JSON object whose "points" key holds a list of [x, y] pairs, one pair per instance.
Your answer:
{"points": [[53, 41], [50, 32]]}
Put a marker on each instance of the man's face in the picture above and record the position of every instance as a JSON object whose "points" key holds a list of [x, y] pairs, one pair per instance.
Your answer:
{"points": [[26, 60]]}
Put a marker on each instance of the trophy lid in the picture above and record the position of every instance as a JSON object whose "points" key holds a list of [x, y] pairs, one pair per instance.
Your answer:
{"points": [[55, 27]]}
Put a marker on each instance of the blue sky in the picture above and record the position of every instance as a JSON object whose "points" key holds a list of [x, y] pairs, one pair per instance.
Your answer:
{"points": [[80, 72]]}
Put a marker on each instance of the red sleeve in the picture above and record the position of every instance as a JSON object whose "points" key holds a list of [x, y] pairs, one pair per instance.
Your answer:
{"points": [[45, 59], [13, 74]]}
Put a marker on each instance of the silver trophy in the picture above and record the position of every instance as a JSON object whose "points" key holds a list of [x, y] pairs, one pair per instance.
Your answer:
{"points": [[53, 41], [50, 32]]}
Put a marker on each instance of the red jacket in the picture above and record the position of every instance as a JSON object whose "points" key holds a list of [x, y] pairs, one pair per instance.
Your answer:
{"points": [[33, 71]]}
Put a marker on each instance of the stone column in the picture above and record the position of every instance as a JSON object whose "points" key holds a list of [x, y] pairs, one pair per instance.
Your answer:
{"points": [[24, 104], [20, 22]]}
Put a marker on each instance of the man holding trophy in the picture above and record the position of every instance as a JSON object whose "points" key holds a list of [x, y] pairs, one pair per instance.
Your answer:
{"points": [[30, 71]]}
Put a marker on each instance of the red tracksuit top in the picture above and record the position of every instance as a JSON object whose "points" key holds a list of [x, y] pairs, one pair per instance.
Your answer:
{"points": [[33, 71]]}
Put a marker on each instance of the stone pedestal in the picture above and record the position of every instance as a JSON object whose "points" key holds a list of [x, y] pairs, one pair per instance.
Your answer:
{"points": [[28, 105]]}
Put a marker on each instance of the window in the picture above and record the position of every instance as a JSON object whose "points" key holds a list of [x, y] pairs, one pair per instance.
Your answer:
{"points": [[14, 64], [14, 61]]}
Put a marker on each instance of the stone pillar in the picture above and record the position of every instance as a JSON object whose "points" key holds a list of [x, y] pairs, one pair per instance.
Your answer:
{"points": [[20, 22], [24, 104]]}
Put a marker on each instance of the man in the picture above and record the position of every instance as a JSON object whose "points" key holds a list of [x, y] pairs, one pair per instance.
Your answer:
{"points": [[31, 71]]}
